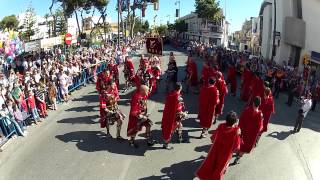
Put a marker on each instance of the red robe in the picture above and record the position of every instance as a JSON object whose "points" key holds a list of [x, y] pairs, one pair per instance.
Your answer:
{"points": [[245, 87], [267, 109], [206, 73], [232, 77], [102, 82], [226, 140], [135, 110], [114, 72], [103, 104], [193, 73], [257, 87], [169, 123], [223, 90], [208, 100], [130, 68], [251, 124]]}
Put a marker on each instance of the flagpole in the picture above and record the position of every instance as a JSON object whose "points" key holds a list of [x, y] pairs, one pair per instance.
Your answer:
{"points": [[118, 39]]}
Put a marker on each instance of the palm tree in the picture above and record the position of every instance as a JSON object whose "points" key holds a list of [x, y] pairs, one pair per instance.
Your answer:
{"points": [[46, 16]]}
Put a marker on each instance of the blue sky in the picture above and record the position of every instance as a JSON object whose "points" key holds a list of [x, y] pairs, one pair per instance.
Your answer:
{"points": [[237, 10]]}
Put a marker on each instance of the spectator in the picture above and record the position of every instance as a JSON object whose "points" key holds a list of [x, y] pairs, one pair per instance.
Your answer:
{"points": [[52, 94], [32, 106], [64, 82], [40, 101]]}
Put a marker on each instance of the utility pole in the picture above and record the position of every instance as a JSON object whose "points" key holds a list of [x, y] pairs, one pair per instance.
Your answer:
{"points": [[274, 30], [118, 39]]}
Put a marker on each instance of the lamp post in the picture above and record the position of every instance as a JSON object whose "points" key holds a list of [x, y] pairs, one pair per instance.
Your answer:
{"points": [[178, 2], [274, 30]]}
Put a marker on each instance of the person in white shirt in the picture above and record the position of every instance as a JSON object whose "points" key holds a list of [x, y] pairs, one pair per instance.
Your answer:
{"points": [[306, 104]]}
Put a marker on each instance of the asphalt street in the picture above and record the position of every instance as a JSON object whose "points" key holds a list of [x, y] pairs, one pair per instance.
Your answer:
{"points": [[70, 144]]}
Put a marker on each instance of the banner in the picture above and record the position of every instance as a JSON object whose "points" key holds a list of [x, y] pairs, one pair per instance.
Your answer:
{"points": [[154, 45]]}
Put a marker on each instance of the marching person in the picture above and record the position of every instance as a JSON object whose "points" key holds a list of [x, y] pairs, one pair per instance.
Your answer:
{"points": [[306, 104], [251, 124], [173, 114], [102, 80], [114, 71], [144, 75], [267, 108], [225, 141], [128, 71], [223, 90], [256, 87], [139, 116], [208, 100], [110, 111], [191, 74], [232, 79], [245, 84], [172, 73]]}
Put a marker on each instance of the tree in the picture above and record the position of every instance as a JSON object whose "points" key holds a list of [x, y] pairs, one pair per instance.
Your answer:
{"points": [[180, 26], [209, 10], [162, 29], [146, 26], [29, 23], [10, 22], [60, 25]]}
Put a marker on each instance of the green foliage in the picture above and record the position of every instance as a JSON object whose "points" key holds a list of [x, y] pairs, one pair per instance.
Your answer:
{"points": [[180, 26], [209, 10], [10, 22], [60, 22], [139, 26], [162, 29], [29, 23]]}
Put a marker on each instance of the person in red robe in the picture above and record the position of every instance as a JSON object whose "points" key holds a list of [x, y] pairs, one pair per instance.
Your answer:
{"points": [[139, 117], [232, 79], [245, 84], [223, 90], [208, 100], [102, 81], [226, 140], [192, 74], [128, 72], [114, 71], [251, 124], [205, 73], [173, 114], [267, 108], [109, 112], [256, 87]]}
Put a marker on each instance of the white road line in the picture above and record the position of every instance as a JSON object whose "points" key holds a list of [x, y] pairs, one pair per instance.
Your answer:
{"points": [[125, 169]]}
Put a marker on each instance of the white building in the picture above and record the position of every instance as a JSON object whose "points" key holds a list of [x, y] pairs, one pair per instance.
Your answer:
{"points": [[208, 32], [296, 28]]}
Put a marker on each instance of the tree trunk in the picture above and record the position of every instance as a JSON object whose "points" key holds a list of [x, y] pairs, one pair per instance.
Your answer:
{"points": [[79, 30], [133, 22]]}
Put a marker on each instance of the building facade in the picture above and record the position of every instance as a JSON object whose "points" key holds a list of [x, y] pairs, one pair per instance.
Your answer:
{"points": [[206, 31], [290, 31]]}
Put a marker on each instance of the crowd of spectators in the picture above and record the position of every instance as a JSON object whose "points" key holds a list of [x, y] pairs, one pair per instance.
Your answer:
{"points": [[284, 77], [32, 83]]}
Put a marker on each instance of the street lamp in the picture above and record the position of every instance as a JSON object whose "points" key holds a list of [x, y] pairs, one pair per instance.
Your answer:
{"points": [[177, 10]]}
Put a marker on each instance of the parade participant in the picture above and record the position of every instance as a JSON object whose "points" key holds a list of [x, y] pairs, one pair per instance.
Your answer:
{"points": [[114, 71], [225, 141], [306, 104], [205, 73], [245, 84], [232, 79], [251, 124], [139, 116], [172, 73], [223, 90], [156, 72], [128, 71], [208, 100], [191, 74], [144, 75], [102, 80], [173, 114], [267, 108], [256, 87], [109, 111]]}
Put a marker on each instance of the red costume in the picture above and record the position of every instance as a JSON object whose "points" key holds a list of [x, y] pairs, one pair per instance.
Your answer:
{"points": [[114, 72], [208, 100], [232, 78], [137, 107], [192, 72], [129, 69], [103, 99], [245, 86], [257, 87], [223, 90], [102, 81], [251, 124], [169, 118], [267, 109], [226, 140], [206, 73]]}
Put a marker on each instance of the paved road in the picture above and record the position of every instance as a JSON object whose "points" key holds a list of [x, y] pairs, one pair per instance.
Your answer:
{"points": [[70, 145]]}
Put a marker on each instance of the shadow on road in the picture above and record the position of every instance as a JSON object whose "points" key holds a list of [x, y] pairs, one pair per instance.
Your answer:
{"points": [[93, 141], [183, 170], [81, 120], [280, 135], [84, 109]]}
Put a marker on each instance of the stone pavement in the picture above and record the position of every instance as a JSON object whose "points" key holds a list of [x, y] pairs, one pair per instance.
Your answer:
{"points": [[70, 145]]}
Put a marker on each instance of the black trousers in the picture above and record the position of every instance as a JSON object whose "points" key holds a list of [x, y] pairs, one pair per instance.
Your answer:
{"points": [[299, 122], [314, 104], [290, 98]]}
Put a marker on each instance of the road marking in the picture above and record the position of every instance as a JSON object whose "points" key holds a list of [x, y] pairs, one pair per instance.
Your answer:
{"points": [[125, 169]]}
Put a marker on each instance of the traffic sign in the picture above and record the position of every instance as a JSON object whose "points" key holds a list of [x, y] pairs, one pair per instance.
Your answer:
{"points": [[68, 39]]}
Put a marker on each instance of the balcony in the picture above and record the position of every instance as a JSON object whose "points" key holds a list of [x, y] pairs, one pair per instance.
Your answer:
{"points": [[212, 29]]}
